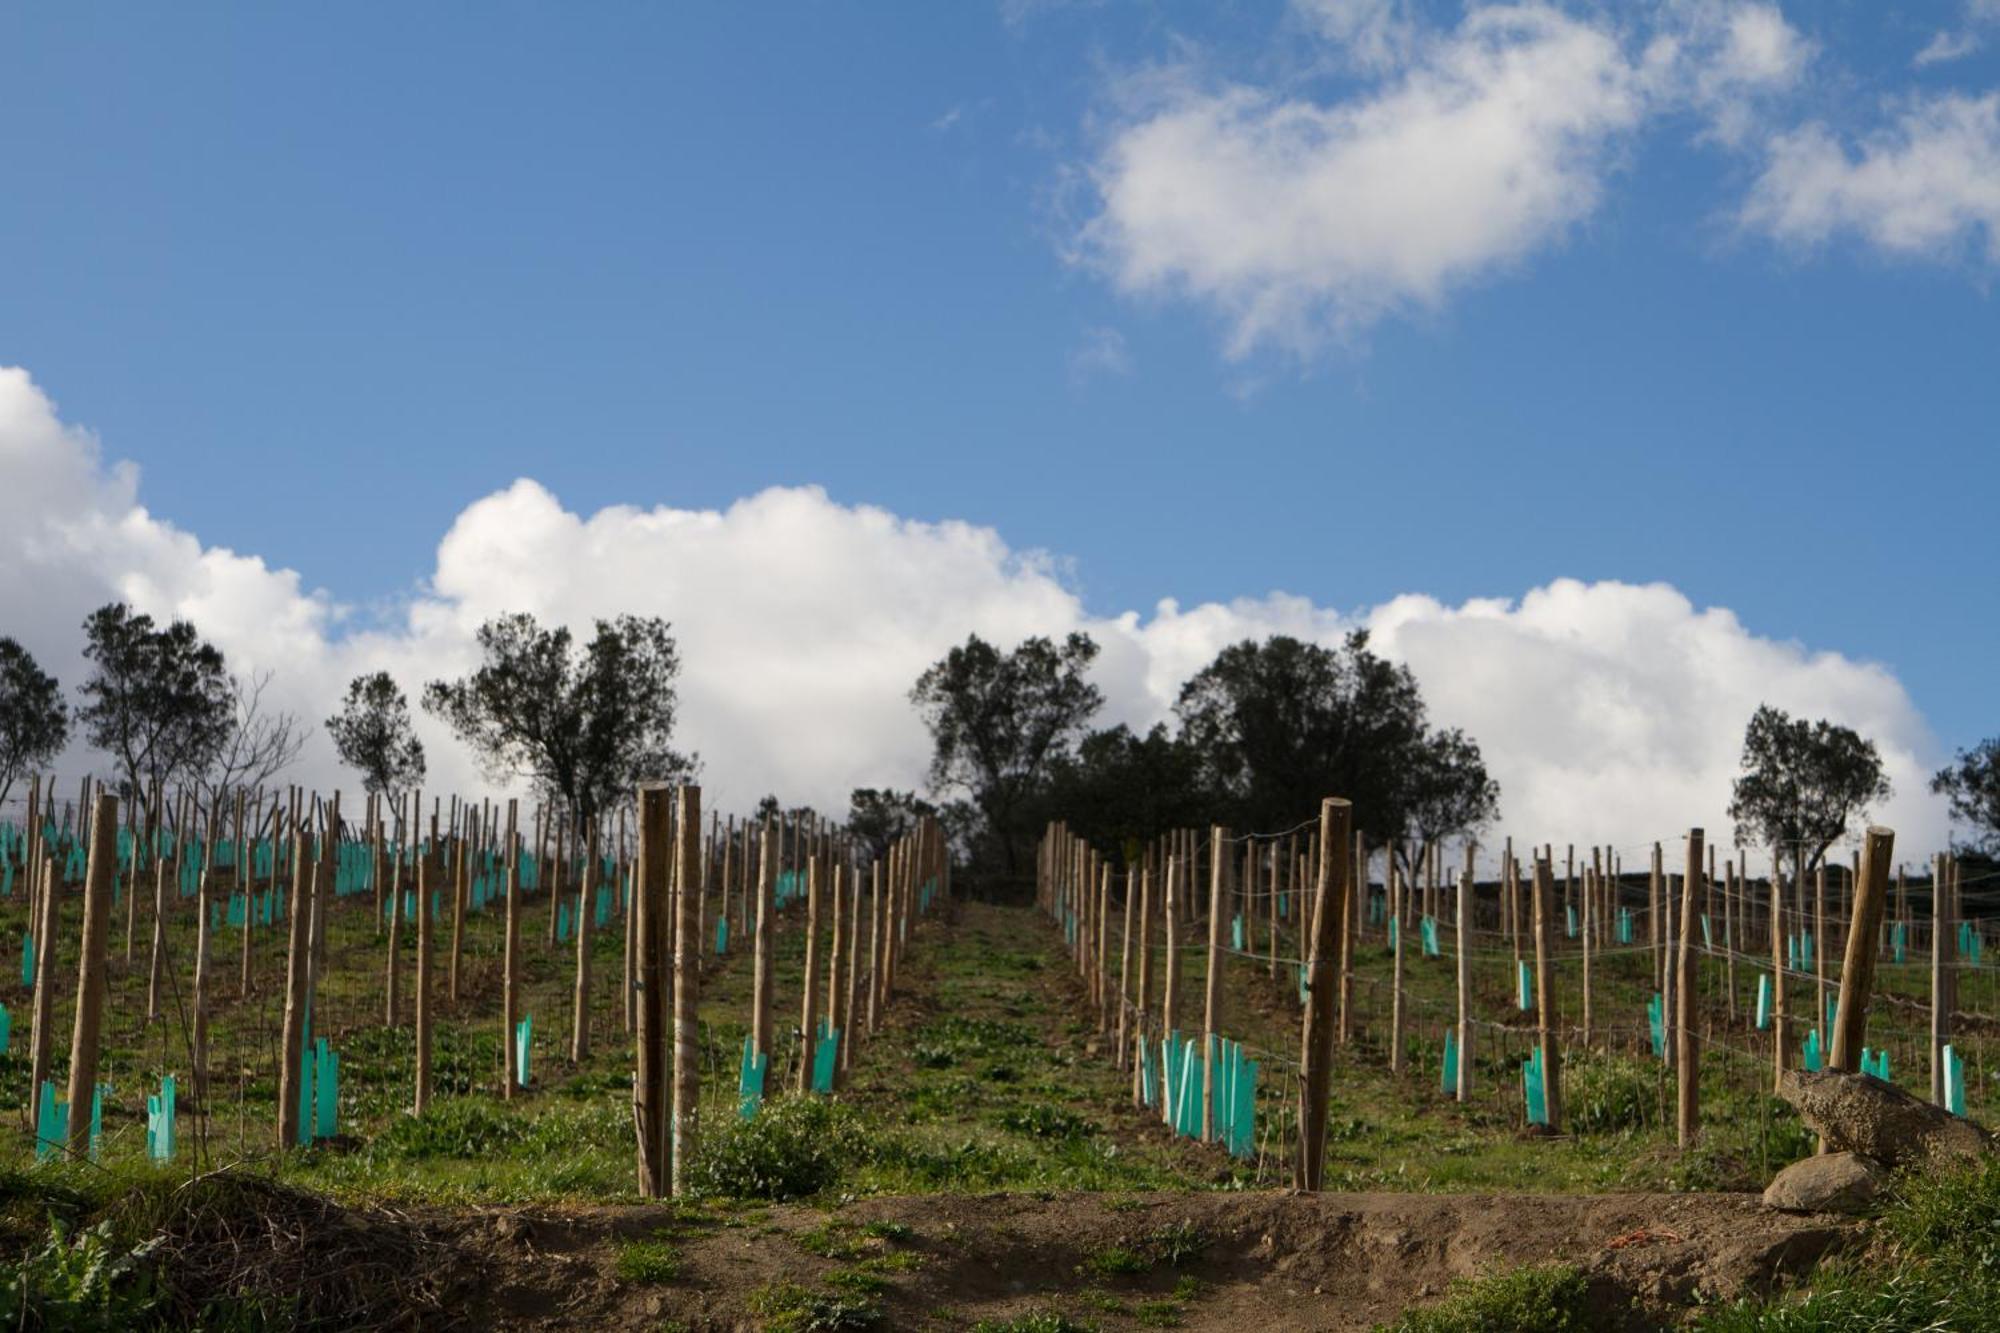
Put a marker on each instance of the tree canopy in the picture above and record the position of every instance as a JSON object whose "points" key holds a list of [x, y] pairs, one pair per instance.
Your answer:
{"points": [[1000, 720], [158, 700], [1803, 784], [1281, 724], [585, 725], [1972, 787], [1119, 786], [879, 817], [34, 724], [373, 734]]}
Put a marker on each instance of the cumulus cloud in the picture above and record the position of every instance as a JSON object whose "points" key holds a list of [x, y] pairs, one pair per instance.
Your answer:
{"points": [[1927, 186], [1609, 712], [1299, 218]]}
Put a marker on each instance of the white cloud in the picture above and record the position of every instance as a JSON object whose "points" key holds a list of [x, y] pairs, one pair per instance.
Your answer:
{"points": [[1101, 351], [1945, 46], [1928, 186], [1296, 218], [1299, 219], [1609, 712]]}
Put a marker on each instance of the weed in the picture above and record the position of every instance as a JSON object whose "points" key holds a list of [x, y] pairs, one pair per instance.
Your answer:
{"points": [[1176, 1243], [794, 1148], [1548, 1298], [787, 1307], [647, 1261], [1041, 1321], [1116, 1259]]}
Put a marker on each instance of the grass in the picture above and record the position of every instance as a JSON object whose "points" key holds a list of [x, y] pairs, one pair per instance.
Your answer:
{"points": [[1937, 1266], [647, 1262], [1547, 1298]]}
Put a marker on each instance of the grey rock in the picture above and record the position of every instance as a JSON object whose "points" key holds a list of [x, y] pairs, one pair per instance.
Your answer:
{"points": [[1860, 1113], [1836, 1182]]}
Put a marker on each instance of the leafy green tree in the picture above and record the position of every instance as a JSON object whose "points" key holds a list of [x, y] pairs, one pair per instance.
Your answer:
{"points": [[999, 722], [34, 724], [1282, 724], [159, 701], [584, 725], [374, 736], [1972, 785], [1444, 792], [1803, 785], [879, 817], [1120, 786]]}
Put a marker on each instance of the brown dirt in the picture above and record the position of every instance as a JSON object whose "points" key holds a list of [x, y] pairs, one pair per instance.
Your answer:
{"points": [[1271, 1260]]}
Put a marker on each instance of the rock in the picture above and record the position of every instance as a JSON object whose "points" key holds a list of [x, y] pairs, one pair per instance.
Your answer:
{"points": [[1835, 1182], [1862, 1114]]}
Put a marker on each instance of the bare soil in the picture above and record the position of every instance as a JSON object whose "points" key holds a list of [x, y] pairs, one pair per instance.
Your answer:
{"points": [[1270, 1259]]}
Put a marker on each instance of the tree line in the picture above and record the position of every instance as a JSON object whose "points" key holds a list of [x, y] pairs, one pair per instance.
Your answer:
{"points": [[1257, 737]]}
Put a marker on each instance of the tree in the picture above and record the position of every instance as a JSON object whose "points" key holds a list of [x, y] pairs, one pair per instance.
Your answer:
{"points": [[999, 720], [34, 724], [1444, 792], [879, 818], [262, 742], [159, 701], [1803, 784], [585, 728], [1972, 785], [373, 736], [1283, 724], [1119, 787]]}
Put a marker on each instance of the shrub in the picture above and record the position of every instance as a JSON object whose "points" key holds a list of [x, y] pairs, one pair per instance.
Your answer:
{"points": [[88, 1283], [795, 1147], [1607, 1094]]}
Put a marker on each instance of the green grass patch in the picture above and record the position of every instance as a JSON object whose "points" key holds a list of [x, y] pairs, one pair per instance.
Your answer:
{"points": [[649, 1262], [1543, 1298]]}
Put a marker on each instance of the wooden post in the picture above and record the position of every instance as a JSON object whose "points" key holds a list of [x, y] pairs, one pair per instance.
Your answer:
{"points": [[586, 926], [853, 993], [1125, 973], [461, 892], [425, 864], [1944, 948], [405, 831], [1654, 936], [809, 1003], [510, 1001], [43, 1036], [1590, 892], [1463, 1074], [1211, 1009], [156, 972], [648, 906], [760, 987], [688, 876], [1687, 1055], [198, 1038], [1170, 982], [297, 960], [1101, 978], [874, 943], [1819, 953], [1545, 992], [1733, 885], [836, 958], [1358, 892], [1329, 922], [1778, 1049], [99, 867], [1857, 972], [1395, 889]]}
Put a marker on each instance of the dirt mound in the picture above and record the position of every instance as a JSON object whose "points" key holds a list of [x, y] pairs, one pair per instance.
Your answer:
{"points": [[1334, 1261]]}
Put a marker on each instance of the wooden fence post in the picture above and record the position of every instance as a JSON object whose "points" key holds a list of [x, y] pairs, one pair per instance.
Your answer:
{"points": [[688, 876], [586, 928], [1545, 1002], [1125, 971], [761, 980], [43, 1037], [198, 1039], [1943, 952], [425, 864], [100, 866], [852, 1015], [1144, 998], [1857, 972], [1687, 1121], [510, 997], [1463, 1074], [1329, 923], [874, 943], [297, 960], [1211, 1009], [648, 906], [1778, 960], [1395, 890], [809, 1003]]}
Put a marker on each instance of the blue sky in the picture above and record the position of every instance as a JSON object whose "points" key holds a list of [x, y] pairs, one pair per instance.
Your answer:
{"points": [[329, 275]]}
